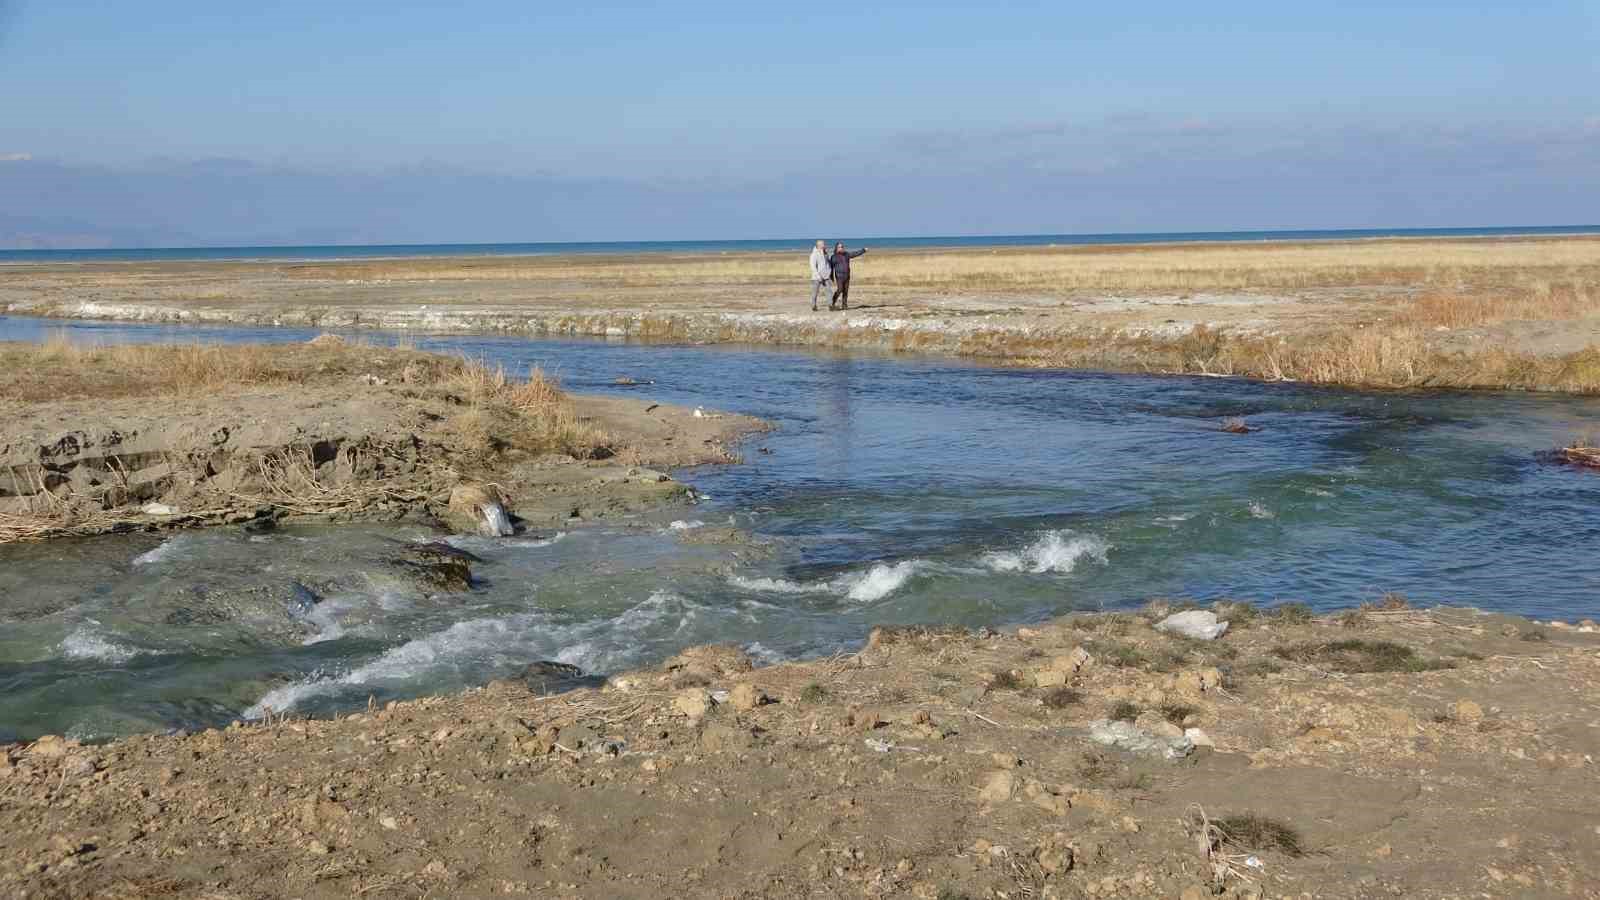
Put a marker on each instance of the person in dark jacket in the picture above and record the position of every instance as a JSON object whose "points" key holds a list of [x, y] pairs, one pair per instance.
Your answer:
{"points": [[839, 263]]}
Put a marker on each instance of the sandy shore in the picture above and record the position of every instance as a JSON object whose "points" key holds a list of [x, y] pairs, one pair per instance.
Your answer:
{"points": [[1390, 752], [1518, 313]]}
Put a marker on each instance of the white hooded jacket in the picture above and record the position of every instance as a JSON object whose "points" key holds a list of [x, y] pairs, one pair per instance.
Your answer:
{"points": [[820, 270]]}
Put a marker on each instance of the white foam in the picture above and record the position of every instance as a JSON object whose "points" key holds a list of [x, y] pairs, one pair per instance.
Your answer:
{"points": [[85, 643], [779, 585], [874, 583], [162, 551], [681, 525], [879, 581], [1056, 552], [478, 544], [599, 645], [1257, 511]]}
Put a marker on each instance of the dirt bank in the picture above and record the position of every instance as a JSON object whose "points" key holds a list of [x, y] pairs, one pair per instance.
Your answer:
{"points": [[1389, 752], [1502, 313], [112, 439]]}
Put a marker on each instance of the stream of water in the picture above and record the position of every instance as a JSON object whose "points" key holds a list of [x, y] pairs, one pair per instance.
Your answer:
{"points": [[894, 490]]}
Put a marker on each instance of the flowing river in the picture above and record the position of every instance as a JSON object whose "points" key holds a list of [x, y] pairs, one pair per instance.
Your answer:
{"points": [[894, 490]]}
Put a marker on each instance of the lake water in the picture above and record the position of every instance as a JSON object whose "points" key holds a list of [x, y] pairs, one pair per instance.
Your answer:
{"points": [[792, 245], [894, 490]]}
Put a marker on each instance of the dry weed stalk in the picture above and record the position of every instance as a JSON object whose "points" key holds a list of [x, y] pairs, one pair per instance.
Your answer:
{"points": [[290, 478], [1209, 840]]}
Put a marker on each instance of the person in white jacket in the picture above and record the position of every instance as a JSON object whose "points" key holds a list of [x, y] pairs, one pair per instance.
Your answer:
{"points": [[821, 271]]}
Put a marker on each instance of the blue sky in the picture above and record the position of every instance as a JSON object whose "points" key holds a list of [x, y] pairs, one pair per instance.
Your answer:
{"points": [[755, 120]]}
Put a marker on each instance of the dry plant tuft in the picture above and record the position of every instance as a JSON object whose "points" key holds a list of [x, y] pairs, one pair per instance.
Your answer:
{"points": [[1581, 452]]}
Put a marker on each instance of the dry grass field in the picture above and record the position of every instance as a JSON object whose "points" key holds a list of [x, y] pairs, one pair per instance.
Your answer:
{"points": [[1536, 266], [1520, 313]]}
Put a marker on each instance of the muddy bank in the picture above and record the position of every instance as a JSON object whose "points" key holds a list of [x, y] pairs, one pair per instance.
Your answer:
{"points": [[1387, 752], [117, 439]]}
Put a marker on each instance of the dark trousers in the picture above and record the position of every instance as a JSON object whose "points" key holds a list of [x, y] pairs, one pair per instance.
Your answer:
{"points": [[841, 292]]}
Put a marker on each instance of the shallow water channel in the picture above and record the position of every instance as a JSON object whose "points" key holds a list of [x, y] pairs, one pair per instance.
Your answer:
{"points": [[894, 489]]}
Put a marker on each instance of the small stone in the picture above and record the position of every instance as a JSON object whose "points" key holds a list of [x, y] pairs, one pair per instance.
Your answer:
{"points": [[441, 735], [1027, 634], [998, 788], [1054, 860], [746, 697], [692, 702], [1466, 711], [389, 823], [1051, 677], [80, 765], [1199, 624], [578, 737], [1199, 738], [1157, 725], [1077, 660], [865, 718], [318, 848], [51, 746], [1006, 760]]}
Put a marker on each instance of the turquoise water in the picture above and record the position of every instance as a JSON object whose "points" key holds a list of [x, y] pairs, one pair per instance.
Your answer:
{"points": [[375, 251], [894, 490]]}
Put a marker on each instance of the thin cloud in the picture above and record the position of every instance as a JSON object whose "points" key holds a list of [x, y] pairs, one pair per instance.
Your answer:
{"points": [[16, 157]]}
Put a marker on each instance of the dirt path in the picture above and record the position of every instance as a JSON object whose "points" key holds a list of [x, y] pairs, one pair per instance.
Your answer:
{"points": [[1399, 753]]}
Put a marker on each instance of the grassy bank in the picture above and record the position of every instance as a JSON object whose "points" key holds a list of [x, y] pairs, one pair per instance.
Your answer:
{"points": [[102, 438], [1519, 314]]}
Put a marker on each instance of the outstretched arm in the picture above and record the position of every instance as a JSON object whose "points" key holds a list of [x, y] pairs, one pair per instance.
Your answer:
{"points": [[858, 253]]}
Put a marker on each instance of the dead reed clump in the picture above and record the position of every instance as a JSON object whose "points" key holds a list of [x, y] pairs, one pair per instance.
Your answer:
{"points": [[1061, 698], [1356, 657], [1249, 831], [1581, 454], [533, 412], [1528, 298]]}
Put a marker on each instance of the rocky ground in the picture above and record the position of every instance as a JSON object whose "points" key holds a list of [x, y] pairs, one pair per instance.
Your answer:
{"points": [[1385, 752]]}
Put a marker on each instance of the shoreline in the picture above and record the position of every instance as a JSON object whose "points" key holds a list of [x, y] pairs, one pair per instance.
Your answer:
{"points": [[1490, 313], [791, 245], [1089, 756]]}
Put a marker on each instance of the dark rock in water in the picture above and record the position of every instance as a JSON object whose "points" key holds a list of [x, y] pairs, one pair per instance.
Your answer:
{"points": [[302, 599], [550, 670], [549, 677], [437, 565], [186, 616], [261, 525], [441, 550]]}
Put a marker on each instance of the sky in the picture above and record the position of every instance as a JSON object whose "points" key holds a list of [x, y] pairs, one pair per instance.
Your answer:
{"points": [[490, 120]]}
